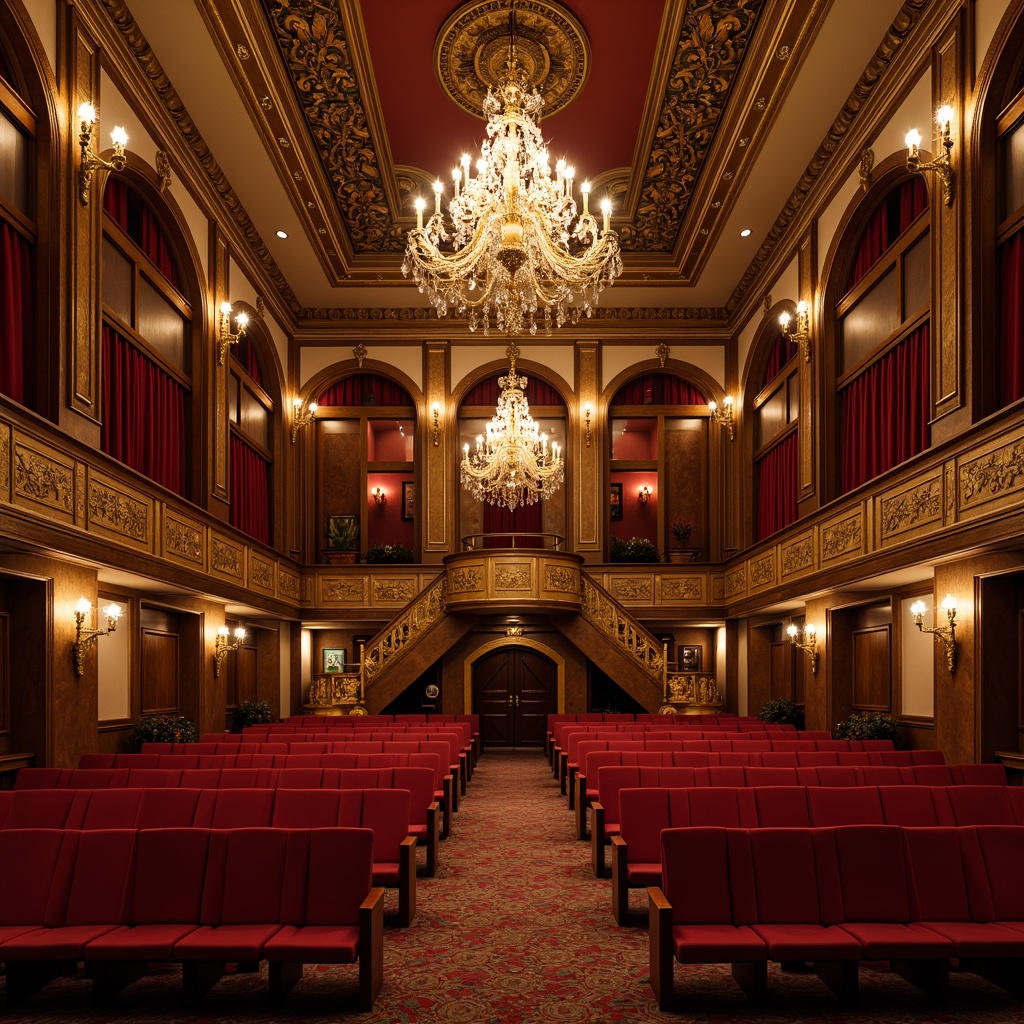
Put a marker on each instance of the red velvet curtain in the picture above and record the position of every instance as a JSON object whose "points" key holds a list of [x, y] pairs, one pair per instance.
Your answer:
{"points": [[781, 353], [365, 389], [883, 413], [143, 414], [538, 392], [1011, 319], [245, 353], [658, 389], [130, 212], [250, 491], [896, 212], [777, 487], [15, 311], [525, 519]]}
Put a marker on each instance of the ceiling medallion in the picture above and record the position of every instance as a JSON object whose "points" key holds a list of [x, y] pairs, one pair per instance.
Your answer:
{"points": [[472, 48]]}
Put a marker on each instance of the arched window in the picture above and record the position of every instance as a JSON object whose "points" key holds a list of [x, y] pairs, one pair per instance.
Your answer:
{"points": [[251, 418], [658, 468], [882, 352], [366, 443], [147, 373], [776, 407], [18, 235], [1010, 242]]}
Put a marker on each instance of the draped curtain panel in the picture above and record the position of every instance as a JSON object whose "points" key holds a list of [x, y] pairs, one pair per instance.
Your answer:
{"points": [[777, 487], [143, 414], [525, 519], [897, 211], [781, 353], [127, 209], [246, 355], [537, 392], [365, 389], [1011, 319], [883, 413], [250, 491], [659, 389], [15, 312]]}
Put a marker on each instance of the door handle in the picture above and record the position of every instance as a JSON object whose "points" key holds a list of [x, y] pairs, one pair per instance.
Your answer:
{"points": [[510, 700], [517, 700]]}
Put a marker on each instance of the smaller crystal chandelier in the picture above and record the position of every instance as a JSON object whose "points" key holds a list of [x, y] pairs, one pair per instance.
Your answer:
{"points": [[514, 464], [514, 246]]}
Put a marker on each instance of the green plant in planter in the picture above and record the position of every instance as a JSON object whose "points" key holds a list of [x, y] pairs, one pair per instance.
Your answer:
{"points": [[779, 711], [636, 549], [872, 726], [681, 530], [253, 712], [343, 533], [163, 729], [381, 553]]}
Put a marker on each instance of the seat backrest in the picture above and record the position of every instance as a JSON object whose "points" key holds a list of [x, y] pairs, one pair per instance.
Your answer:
{"points": [[28, 866], [770, 776], [724, 806], [39, 808], [872, 873], [97, 778], [710, 902], [307, 808], [1002, 852], [914, 806], [153, 777], [844, 805], [170, 867], [100, 869], [386, 812], [610, 780], [246, 807], [979, 774], [781, 806], [642, 814], [339, 875], [420, 784], [301, 778], [674, 776], [938, 884], [933, 775], [980, 805], [880, 775], [167, 808], [785, 875]]}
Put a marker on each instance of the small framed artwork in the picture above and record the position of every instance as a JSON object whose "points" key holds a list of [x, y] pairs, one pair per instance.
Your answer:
{"points": [[615, 501], [690, 658], [408, 499], [334, 659]]}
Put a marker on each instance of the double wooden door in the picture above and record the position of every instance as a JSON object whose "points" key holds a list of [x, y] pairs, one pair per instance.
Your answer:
{"points": [[514, 690]]}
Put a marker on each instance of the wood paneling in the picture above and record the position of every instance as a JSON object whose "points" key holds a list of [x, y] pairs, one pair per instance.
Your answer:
{"points": [[872, 669], [159, 672], [782, 669]]}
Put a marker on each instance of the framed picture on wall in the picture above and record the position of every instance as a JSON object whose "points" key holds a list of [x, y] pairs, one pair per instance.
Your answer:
{"points": [[615, 501], [408, 499], [690, 658], [334, 659]]}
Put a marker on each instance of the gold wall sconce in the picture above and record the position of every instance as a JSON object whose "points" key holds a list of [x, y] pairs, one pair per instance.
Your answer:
{"points": [[808, 644], [92, 162], [946, 635], [86, 638], [644, 495], [226, 337], [723, 415], [436, 409], [798, 333], [222, 647], [380, 497], [587, 436], [301, 418], [941, 165]]}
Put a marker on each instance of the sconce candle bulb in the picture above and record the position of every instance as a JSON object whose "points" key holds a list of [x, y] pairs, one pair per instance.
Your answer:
{"points": [[301, 419], [436, 409], [941, 165], [724, 415], [86, 638], [809, 644], [221, 646], [91, 162], [946, 635]]}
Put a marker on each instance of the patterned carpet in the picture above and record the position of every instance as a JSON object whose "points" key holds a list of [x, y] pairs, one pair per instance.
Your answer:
{"points": [[513, 929]]}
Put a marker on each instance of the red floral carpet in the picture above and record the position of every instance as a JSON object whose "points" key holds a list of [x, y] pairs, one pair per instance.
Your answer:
{"points": [[515, 928]]}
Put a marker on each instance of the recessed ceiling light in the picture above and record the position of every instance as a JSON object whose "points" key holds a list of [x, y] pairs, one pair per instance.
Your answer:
{"points": [[744, 232], [284, 234]]}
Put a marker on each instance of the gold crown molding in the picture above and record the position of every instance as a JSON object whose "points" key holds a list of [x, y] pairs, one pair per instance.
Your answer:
{"points": [[891, 46], [423, 313], [139, 47], [472, 48]]}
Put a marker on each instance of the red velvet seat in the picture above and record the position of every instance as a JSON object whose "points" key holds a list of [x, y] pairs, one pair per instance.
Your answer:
{"points": [[246, 807], [980, 805], [844, 805], [38, 808], [916, 806], [781, 806], [28, 866]]}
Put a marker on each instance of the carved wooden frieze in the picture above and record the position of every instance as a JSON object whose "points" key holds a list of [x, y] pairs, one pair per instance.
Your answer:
{"points": [[631, 588], [114, 511], [262, 573], [911, 508], [682, 588], [344, 590], [513, 577], [42, 478], [842, 537], [798, 556], [718, 588], [5, 461], [762, 571], [561, 578], [992, 476], [393, 591], [736, 582], [465, 580], [288, 584], [227, 558], [183, 540]]}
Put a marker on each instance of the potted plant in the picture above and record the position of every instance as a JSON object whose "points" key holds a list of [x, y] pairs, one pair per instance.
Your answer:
{"points": [[681, 529], [252, 712], [779, 711], [636, 549], [381, 553], [163, 729], [871, 726], [342, 539]]}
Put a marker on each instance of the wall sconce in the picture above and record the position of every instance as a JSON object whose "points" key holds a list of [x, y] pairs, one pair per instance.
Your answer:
{"points": [[723, 415], [436, 409], [799, 334], [90, 161], [810, 642], [587, 435], [221, 647], [944, 634], [941, 165], [380, 497], [300, 418], [85, 638], [644, 495], [227, 339]]}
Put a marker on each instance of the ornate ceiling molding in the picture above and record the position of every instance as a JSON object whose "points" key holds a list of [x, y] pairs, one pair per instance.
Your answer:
{"points": [[703, 314]]}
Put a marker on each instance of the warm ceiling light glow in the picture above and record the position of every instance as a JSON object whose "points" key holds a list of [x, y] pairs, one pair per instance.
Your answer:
{"points": [[745, 232], [282, 234]]}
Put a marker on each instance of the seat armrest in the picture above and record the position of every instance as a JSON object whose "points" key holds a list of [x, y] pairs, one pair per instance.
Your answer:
{"points": [[433, 842], [659, 923], [597, 838], [406, 881], [371, 948], [620, 888]]}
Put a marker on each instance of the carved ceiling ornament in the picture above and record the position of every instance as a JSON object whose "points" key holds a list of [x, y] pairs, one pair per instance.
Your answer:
{"points": [[472, 48]]}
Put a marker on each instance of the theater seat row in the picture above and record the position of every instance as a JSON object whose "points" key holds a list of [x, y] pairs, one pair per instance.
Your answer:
{"points": [[119, 899], [836, 897], [645, 813]]}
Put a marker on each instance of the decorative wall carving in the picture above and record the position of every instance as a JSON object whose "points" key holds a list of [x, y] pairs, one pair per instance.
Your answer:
{"points": [[118, 512], [408, 626], [993, 474], [509, 577], [347, 589], [5, 458], [261, 573], [682, 588], [288, 584], [631, 589], [797, 556], [911, 508], [390, 590], [841, 537], [560, 577], [183, 540], [43, 480], [227, 558], [762, 571], [735, 582], [465, 579]]}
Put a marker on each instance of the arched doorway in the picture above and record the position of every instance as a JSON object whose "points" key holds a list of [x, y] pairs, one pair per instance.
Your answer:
{"points": [[514, 690]]}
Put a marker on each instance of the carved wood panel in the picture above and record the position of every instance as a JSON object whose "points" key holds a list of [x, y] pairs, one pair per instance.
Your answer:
{"points": [[872, 668], [159, 672]]}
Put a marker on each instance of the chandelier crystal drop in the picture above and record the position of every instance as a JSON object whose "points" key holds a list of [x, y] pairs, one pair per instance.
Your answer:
{"points": [[513, 463], [514, 246]]}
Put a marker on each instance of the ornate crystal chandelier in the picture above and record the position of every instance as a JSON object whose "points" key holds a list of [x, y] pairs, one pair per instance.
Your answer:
{"points": [[513, 464], [514, 244]]}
